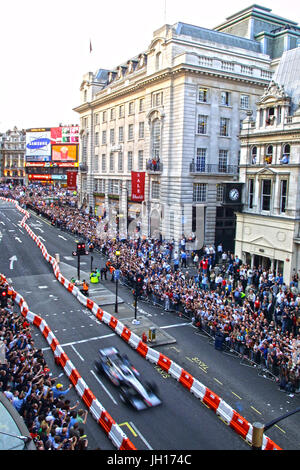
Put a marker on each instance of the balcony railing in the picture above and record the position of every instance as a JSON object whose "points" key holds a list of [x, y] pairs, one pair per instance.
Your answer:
{"points": [[213, 169], [154, 167]]}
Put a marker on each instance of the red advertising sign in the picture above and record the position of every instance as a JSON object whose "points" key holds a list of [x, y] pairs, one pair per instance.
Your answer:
{"points": [[137, 186], [71, 180]]}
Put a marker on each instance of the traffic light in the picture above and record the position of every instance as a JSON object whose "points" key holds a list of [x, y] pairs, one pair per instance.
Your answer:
{"points": [[81, 249], [3, 297], [139, 284]]}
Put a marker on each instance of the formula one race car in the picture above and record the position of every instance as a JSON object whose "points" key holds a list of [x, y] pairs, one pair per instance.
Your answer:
{"points": [[122, 374]]}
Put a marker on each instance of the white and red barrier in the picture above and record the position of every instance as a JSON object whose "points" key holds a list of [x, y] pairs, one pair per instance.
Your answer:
{"points": [[233, 419]]}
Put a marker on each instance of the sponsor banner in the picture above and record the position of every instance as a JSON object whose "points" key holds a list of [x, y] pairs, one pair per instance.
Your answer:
{"points": [[52, 165], [137, 186], [72, 180], [38, 145], [64, 153], [65, 135], [40, 177]]}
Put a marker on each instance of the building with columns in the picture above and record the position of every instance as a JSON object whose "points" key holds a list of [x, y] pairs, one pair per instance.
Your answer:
{"points": [[175, 112], [12, 150], [268, 227]]}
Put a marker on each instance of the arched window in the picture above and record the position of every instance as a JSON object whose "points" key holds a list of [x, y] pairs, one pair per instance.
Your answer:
{"points": [[269, 154], [158, 61], [254, 155], [285, 154]]}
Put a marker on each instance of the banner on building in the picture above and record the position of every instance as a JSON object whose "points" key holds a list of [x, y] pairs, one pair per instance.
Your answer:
{"points": [[137, 186], [71, 180]]}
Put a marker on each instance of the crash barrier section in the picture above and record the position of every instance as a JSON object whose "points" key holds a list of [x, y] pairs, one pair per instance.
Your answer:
{"points": [[112, 429], [241, 426]]}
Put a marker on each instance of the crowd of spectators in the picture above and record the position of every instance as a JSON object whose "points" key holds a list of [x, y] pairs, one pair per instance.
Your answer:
{"points": [[256, 313], [53, 421]]}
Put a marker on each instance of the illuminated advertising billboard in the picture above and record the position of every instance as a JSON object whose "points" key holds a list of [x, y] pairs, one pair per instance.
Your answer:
{"points": [[64, 153], [38, 145], [65, 135]]}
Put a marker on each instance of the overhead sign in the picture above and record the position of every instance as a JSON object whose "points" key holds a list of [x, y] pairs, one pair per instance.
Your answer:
{"points": [[65, 135], [38, 145]]}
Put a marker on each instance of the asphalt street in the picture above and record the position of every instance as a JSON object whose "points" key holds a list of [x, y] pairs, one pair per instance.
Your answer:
{"points": [[182, 422]]}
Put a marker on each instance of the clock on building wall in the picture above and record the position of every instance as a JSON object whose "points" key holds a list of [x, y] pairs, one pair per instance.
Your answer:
{"points": [[233, 193]]}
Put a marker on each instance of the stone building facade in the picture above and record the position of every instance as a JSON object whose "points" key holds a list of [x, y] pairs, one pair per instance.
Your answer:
{"points": [[268, 227], [13, 156], [179, 103]]}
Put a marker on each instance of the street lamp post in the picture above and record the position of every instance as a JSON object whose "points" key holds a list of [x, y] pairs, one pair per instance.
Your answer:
{"points": [[116, 276]]}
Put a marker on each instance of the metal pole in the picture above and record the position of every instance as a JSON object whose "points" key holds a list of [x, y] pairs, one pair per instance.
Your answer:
{"points": [[92, 258], [78, 266], [117, 285], [257, 436]]}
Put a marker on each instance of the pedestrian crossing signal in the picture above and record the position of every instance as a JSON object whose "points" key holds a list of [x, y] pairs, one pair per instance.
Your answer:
{"points": [[81, 249], [3, 297]]}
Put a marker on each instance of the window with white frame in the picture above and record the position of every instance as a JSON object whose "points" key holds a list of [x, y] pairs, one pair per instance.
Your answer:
{"points": [[225, 98], [112, 136], [223, 158], [266, 194], [121, 134], [202, 124], [157, 99], [103, 162], [120, 161], [224, 127], [96, 164], [203, 95], [130, 131], [254, 155], [140, 160], [104, 116], [199, 192], [283, 195], [103, 137], [129, 160], [111, 162], [155, 190], [121, 111], [220, 192], [250, 192], [112, 114], [96, 138], [141, 105], [155, 138], [200, 160], [244, 101], [131, 107], [141, 130]]}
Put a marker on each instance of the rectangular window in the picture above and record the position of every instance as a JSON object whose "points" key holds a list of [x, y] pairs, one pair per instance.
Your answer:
{"points": [[104, 118], [96, 138], [224, 127], [200, 160], [220, 193], [199, 192], [103, 162], [120, 161], [129, 161], [121, 111], [155, 190], [266, 188], [131, 107], [112, 136], [223, 157], [283, 195], [112, 114], [157, 99], [225, 98], [140, 160], [203, 95], [96, 118], [121, 134], [111, 162], [96, 164], [250, 193], [141, 105], [141, 130], [103, 137], [130, 132], [202, 124], [244, 101]]}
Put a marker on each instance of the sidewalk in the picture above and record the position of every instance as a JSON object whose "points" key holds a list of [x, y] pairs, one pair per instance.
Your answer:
{"points": [[106, 300]]}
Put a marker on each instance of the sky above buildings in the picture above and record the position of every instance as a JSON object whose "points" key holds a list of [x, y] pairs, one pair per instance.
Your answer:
{"points": [[45, 47]]}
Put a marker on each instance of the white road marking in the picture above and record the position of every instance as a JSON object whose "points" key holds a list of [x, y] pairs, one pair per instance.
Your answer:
{"points": [[104, 388], [16, 238], [77, 352], [141, 436], [173, 326], [60, 236], [43, 287]]}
